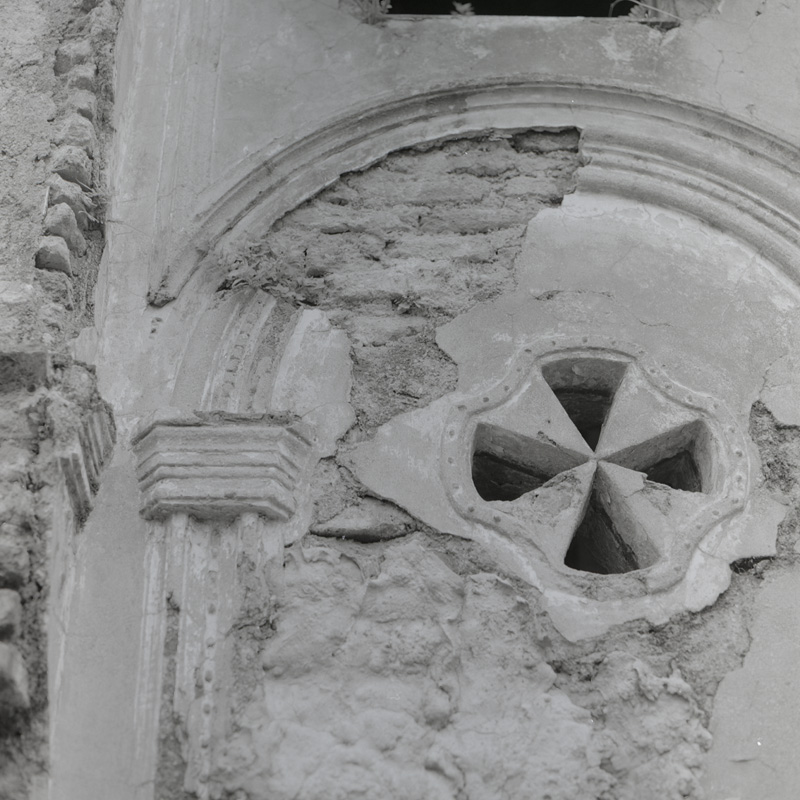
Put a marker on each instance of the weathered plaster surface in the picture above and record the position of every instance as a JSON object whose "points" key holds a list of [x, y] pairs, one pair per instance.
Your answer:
{"points": [[392, 663], [408, 671], [757, 706], [594, 263]]}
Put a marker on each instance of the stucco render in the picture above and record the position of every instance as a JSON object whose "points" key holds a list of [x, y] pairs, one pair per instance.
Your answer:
{"points": [[295, 310]]}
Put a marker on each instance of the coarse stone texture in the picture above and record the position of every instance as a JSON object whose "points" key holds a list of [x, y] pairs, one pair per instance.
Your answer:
{"points": [[10, 613], [77, 130], [72, 52], [53, 252], [84, 103], [390, 666], [62, 191], [82, 77], [46, 400], [60, 221], [13, 681], [72, 164], [409, 243]]}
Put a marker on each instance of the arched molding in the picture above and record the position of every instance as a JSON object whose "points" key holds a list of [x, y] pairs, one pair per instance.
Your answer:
{"points": [[656, 149]]}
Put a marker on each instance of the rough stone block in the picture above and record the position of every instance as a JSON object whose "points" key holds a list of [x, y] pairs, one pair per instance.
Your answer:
{"points": [[526, 185], [53, 254], [62, 191], [72, 164], [71, 53], [60, 221], [58, 288], [16, 506], [482, 165], [471, 220], [23, 369], [82, 76], [370, 521], [84, 102], [13, 678], [432, 189], [10, 613], [78, 131], [15, 460]]}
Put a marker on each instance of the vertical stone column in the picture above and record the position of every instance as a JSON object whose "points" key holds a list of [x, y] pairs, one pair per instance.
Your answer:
{"points": [[220, 493]]}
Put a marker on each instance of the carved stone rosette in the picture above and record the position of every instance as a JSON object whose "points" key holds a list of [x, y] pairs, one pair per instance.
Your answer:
{"points": [[220, 492]]}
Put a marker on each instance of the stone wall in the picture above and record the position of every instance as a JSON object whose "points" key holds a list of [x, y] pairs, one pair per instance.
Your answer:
{"points": [[390, 659], [319, 235], [393, 252], [55, 429]]}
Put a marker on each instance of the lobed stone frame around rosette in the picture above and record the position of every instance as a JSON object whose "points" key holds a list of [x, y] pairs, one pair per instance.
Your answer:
{"points": [[620, 472]]}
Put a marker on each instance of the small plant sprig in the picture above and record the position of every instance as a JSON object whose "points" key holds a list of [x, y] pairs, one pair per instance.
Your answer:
{"points": [[462, 9], [372, 11], [645, 11]]}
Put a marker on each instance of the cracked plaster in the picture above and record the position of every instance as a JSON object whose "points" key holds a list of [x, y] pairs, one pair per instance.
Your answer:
{"points": [[265, 73], [601, 265]]}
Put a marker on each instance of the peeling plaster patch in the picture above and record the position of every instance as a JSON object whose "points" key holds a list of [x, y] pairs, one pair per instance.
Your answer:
{"points": [[612, 49], [389, 253], [754, 721], [781, 392], [314, 379], [389, 671]]}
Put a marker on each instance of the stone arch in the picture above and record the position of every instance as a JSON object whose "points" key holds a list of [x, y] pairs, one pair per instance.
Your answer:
{"points": [[666, 159], [646, 147], [227, 362]]}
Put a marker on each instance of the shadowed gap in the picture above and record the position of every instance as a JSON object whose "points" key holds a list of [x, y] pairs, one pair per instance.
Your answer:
{"points": [[678, 472], [588, 409], [519, 8], [585, 387], [498, 479], [597, 545]]}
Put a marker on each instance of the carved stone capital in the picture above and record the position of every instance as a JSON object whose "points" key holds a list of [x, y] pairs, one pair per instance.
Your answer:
{"points": [[215, 466]]}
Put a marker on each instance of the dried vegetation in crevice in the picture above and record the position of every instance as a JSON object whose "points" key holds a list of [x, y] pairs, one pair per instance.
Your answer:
{"points": [[394, 251]]}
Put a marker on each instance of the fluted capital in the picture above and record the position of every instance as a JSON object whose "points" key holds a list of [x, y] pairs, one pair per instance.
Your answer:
{"points": [[216, 466]]}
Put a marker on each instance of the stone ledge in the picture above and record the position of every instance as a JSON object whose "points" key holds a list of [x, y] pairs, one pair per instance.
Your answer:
{"points": [[215, 467]]}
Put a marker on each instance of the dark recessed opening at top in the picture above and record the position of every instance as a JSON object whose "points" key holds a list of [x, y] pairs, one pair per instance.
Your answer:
{"points": [[588, 410], [517, 8], [585, 388]]}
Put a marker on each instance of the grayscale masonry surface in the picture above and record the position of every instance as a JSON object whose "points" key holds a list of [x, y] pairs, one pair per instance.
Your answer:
{"points": [[399, 400]]}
